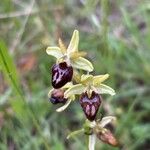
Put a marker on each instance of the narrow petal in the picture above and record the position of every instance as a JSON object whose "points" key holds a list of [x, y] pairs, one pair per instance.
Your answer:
{"points": [[54, 51], [92, 141], [82, 63], [75, 89], [104, 89], [107, 120], [73, 46], [60, 109], [97, 80], [62, 46]]}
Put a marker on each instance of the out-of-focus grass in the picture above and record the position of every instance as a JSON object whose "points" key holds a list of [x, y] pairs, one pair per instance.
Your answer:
{"points": [[28, 27]]}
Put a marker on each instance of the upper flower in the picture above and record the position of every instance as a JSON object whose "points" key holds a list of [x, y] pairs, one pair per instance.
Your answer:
{"points": [[71, 55]]}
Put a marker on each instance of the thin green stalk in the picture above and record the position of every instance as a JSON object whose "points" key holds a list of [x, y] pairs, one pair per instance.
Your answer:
{"points": [[20, 94], [73, 134]]}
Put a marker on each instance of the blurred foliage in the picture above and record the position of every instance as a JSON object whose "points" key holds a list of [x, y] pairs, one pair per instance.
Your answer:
{"points": [[115, 34]]}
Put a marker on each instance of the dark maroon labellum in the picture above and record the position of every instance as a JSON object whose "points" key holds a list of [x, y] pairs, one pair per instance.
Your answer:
{"points": [[61, 74], [90, 105], [57, 96]]}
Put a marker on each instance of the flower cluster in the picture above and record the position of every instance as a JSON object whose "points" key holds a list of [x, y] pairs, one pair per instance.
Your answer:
{"points": [[67, 82]]}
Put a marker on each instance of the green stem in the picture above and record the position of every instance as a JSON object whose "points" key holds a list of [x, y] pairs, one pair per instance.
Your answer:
{"points": [[92, 141]]}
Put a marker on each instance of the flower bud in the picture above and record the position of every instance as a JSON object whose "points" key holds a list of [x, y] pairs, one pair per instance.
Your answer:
{"points": [[107, 137], [90, 105], [61, 74], [57, 96]]}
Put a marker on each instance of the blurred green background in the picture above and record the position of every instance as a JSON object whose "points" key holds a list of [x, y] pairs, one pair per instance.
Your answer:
{"points": [[116, 35]]}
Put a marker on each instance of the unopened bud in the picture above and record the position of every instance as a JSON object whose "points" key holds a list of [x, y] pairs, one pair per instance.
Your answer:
{"points": [[107, 137]]}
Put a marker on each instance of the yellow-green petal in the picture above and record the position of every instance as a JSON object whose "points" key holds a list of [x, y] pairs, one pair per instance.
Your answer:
{"points": [[97, 80], [54, 51], [75, 89], [82, 63], [104, 89]]}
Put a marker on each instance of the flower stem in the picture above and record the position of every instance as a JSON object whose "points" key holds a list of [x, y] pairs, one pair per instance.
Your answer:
{"points": [[92, 141]]}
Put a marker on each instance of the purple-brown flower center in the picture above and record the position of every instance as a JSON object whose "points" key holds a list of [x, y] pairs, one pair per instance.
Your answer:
{"points": [[90, 105], [61, 74]]}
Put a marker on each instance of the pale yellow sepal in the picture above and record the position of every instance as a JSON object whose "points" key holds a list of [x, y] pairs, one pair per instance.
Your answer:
{"points": [[97, 80], [73, 46], [75, 89], [104, 89], [82, 63], [54, 51]]}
